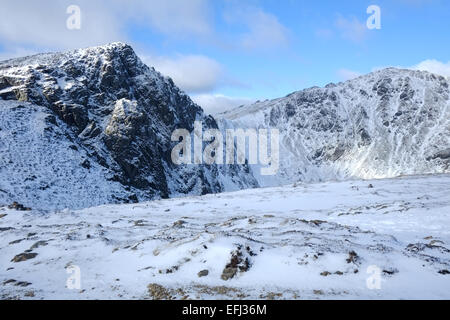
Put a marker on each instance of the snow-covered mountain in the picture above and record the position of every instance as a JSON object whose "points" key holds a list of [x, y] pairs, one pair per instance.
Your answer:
{"points": [[387, 123], [94, 126]]}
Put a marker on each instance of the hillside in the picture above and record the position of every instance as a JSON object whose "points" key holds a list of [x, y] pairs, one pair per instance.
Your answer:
{"points": [[388, 123]]}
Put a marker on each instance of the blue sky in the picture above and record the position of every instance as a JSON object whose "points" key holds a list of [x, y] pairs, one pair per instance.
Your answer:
{"points": [[226, 52]]}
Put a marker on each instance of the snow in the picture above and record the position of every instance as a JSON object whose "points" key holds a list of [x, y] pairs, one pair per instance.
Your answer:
{"points": [[39, 166], [291, 235]]}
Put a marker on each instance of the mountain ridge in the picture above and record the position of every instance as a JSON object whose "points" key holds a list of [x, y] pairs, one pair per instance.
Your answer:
{"points": [[122, 113], [228, 114], [386, 123]]}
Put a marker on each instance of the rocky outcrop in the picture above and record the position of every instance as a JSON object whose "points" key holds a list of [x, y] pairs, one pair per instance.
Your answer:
{"points": [[121, 113]]}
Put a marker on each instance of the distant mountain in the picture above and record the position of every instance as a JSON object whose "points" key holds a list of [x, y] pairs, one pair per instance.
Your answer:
{"points": [[94, 126], [387, 123]]}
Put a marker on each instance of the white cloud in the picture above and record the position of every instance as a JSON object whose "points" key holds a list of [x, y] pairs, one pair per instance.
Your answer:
{"points": [[217, 103], [434, 66], [42, 24], [351, 29], [192, 73], [172, 16], [346, 74], [264, 31]]}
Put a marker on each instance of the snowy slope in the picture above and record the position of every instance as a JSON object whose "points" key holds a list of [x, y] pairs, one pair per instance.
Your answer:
{"points": [[40, 166], [314, 241], [388, 123], [119, 112]]}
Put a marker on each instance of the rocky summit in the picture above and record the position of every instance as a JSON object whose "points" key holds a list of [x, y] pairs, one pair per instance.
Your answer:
{"points": [[384, 124], [93, 126]]}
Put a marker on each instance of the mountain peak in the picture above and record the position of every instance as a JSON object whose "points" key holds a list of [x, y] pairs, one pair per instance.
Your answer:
{"points": [[395, 72], [387, 123], [110, 48], [81, 92]]}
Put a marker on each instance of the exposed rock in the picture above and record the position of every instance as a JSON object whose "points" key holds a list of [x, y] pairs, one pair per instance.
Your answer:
{"points": [[179, 223], [353, 257], [390, 271], [9, 281], [237, 263], [74, 115], [318, 292], [19, 207], [228, 273], [24, 257], [444, 154], [17, 241], [158, 292], [38, 244], [22, 284], [140, 223], [203, 273]]}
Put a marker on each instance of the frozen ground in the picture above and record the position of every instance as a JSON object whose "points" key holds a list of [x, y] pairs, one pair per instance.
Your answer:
{"points": [[314, 241]]}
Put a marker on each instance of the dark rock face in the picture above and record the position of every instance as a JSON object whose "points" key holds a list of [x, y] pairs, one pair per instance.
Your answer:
{"points": [[74, 115], [444, 155], [122, 113], [18, 207], [24, 257]]}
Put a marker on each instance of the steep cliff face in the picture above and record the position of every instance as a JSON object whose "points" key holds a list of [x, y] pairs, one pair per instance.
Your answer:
{"points": [[118, 114], [387, 123]]}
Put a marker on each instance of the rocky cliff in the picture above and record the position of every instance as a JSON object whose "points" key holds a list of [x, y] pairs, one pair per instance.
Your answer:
{"points": [[104, 114]]}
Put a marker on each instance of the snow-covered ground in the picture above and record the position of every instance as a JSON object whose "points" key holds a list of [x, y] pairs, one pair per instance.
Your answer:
{"points": [[306, 241]]}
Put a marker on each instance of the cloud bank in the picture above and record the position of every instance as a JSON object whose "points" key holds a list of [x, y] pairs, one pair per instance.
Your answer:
{"points": [[215, 103], [192, 73], [346, 74], [43, 23], [434, 66]]}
